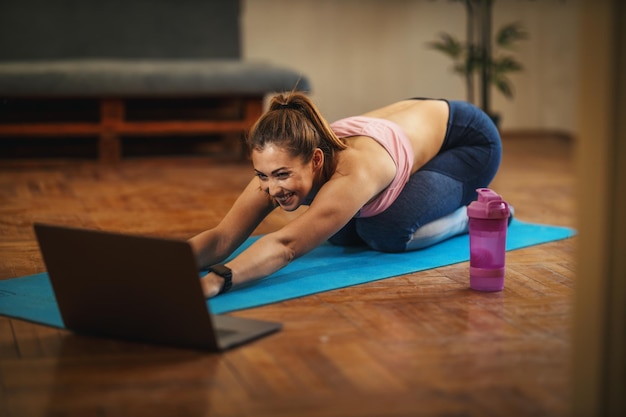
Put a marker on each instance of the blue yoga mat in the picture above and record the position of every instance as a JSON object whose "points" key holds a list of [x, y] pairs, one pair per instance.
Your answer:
{"points": [[323, 269]]}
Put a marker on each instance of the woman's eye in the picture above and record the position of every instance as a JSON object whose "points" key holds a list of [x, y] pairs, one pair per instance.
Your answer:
{"points": [[262, 177], [282, 175]]}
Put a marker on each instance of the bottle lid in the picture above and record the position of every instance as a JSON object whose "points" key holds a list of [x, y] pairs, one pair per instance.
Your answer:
{"points": [[489, 205]]}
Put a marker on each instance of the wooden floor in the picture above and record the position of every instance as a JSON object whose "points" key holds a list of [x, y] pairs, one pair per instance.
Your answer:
{"points": [[417, 345]]}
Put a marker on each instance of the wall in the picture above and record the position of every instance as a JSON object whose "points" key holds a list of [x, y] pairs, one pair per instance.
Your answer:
{"points": [[360, 54]]}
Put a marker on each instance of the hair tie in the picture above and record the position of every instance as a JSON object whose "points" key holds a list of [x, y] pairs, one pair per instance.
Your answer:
{"points": [[290, 105]]}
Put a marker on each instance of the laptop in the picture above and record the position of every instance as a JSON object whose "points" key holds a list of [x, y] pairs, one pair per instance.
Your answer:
{"points": [[137, 288]]}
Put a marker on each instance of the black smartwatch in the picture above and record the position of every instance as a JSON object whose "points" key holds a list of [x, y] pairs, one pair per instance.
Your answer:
{"points": [[224, 272]]}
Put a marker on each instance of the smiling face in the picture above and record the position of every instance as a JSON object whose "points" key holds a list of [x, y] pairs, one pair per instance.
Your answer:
{"points": [[287, 179]]}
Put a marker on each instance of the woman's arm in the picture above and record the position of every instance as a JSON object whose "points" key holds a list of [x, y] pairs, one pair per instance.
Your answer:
{"points": [[214, 245], [335, 204]]}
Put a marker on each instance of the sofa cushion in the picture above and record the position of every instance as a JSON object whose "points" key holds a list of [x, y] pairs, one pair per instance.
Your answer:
{"points": [[101, 78]]}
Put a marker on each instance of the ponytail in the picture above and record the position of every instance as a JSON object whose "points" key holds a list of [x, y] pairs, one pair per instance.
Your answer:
{"points": [[294, 123]]}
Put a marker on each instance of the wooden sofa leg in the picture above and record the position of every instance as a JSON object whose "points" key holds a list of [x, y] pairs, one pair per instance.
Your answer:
{"points": [[109, 147], [111, 119]]}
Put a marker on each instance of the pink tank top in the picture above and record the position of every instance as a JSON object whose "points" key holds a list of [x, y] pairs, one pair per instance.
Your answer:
{"points": [[397, 144]]}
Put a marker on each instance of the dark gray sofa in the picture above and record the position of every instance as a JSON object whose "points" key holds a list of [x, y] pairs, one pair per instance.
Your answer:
{"points": [[119, 68]]}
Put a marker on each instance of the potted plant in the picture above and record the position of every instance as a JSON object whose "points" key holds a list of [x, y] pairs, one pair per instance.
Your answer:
{"points": [[475, 59]]}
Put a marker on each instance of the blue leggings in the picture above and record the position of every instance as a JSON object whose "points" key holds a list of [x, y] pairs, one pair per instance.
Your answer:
{"points": [[432, 205]]}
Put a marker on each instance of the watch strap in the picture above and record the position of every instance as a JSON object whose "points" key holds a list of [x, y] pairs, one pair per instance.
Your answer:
{"points": [[224, 272]]}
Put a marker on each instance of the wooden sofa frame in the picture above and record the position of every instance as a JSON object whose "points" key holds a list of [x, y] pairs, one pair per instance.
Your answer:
{"points": [[116, 52]]}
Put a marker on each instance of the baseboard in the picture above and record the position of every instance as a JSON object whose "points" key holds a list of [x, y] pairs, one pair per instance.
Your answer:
{"points": [[560, 134]]}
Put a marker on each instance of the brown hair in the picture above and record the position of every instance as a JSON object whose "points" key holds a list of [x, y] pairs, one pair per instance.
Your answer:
{"points": [[294, 123]]}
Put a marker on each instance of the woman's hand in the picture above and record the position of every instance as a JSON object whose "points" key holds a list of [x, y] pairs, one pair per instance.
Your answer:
{"points": [[211, 284]]}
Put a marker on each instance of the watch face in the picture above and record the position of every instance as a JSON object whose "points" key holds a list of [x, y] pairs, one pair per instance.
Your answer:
{"points": [[221, 270], [225, 273]]}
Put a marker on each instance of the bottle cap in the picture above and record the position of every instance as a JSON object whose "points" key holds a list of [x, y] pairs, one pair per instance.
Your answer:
{"points": [[489, 205]]}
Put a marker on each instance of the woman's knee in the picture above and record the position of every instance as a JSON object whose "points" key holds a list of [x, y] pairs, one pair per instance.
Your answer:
{"points": [[388, 245]]}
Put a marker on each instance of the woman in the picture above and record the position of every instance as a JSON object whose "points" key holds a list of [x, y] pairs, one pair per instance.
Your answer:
{"points": [[395, 179]]}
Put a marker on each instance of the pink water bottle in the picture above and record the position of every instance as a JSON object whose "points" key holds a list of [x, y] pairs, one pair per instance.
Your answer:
{"points": [[488, 221]]}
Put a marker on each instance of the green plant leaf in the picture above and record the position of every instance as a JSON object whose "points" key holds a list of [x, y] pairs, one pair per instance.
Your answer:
{"points": [[504, 64], [448, 44], [504, 86], [508, 35]]}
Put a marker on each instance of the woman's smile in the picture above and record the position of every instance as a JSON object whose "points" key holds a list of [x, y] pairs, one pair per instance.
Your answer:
{"points": [[287, 179], [284, 198]]}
